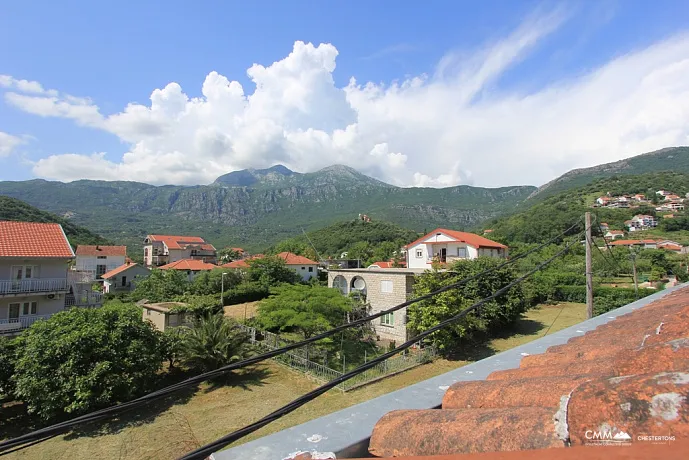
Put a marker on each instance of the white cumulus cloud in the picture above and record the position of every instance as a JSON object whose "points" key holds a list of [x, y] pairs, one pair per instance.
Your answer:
{"points": [[453, 127], [8, 143]]}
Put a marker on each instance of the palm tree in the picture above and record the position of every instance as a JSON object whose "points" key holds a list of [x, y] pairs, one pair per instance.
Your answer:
{"points": [[213, 342]]}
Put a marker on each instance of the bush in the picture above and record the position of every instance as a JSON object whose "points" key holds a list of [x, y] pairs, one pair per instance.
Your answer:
{"points": [[246, 292], [604, 298], [84, 359], [8, 358], [213, 342]]}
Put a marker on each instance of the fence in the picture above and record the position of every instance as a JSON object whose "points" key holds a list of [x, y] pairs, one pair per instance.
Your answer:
{"points": [[297, 359]]}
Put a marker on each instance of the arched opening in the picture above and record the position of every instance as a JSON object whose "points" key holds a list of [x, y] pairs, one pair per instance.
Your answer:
{"points": [[340, 283], [358, 284]]}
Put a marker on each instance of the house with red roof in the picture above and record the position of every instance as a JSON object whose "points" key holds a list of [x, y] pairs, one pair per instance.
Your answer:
{"points": [[445, 246], [192, 267], [33, 273], [305, 267], [123, 278], [164, 249], [99, 259]]}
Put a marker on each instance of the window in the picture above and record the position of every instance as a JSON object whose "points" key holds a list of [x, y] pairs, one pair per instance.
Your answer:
{"points": [[303, 268], [29, 308], [124, 281], [14, 311], [388, 320], [310, 269], [419, 253], [462, 252], [102, 257], [386, 286], [100, 270]]}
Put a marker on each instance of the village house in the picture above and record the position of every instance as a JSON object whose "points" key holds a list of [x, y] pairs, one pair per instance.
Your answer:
{"points": [[164, 249], [639, 197], [382, 289], [603, 200], [305, 267], [613, 234], [191, 267], [604, 227], [123, 278], [388, 264], [446, 246], [97, 260], [641, 222], [34, 276], [163, 317]]}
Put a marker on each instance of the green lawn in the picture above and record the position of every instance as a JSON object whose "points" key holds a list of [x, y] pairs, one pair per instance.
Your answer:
{"points": [[172, 428]]}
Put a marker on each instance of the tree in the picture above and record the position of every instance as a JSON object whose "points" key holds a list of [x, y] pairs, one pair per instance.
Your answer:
{"points": [[84, 359], [8, 357], [214, 341], [492, 315], [361, 250], [161, 285], [210, 282], [228, 254], [271, 271], [172, 345], [307, 309]]}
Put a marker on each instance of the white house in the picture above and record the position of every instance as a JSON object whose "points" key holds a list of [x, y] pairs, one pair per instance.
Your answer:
{"points": [[192, 267], [34, 258], [98, 260], [445, 245], [305, 267], [122, 278], [613, 234], [644, 221], [164, 249]]}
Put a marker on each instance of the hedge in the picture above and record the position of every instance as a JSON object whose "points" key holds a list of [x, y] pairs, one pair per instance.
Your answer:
{"points": [[604, 298], [245, 292]]}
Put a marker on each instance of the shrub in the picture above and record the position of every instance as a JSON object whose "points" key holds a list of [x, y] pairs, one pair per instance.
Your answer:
{"points": [[246, 292], [213, 342], [8, 357]]}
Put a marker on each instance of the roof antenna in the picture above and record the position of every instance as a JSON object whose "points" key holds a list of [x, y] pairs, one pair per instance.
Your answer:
{"points": [[314, 247]]}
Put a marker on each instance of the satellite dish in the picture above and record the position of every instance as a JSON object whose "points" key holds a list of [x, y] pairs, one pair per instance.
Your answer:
{"points": [[359, 284]]}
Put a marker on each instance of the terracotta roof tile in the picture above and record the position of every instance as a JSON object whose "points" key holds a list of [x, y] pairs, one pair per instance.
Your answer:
{"points": [[180, 242], [118, 270], [464, 237], [630, 374], [188, 264], [32, 239], [88, 250], [293, 259]]}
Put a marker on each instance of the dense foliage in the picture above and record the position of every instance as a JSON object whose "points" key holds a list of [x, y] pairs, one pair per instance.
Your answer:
{"points": [[271, 271], [368, 241], [84, 359], [307, 309], [16, 210], [8, 348], [490, 317], [214, 341]]}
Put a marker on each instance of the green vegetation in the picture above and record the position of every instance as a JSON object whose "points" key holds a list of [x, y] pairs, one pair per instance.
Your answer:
{"points": [[369, 241], [485, 321], [16, 210], [213, 342], [85, 359]]}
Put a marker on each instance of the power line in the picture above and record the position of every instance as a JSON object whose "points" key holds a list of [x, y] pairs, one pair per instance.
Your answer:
{"points": [[192, 381], [204, 451]]}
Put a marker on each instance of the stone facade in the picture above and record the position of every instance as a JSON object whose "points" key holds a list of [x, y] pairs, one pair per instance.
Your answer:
{"points": [[384, 288]]}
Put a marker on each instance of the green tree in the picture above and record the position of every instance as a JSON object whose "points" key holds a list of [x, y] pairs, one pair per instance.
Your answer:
{"points": [[172, 345], [271, 271], [385, 251], [84, 359], [214, 341], [307, 309], [211, 282], [228, 254], [8, 357], [161, 286], [491, 316], [361, 250]]}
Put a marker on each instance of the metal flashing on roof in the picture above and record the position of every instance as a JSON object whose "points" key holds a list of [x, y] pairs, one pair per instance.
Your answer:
{"points": [[347, 432]]}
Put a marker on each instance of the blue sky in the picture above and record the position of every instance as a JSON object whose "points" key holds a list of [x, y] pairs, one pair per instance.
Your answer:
{"points": [[117, 53]]}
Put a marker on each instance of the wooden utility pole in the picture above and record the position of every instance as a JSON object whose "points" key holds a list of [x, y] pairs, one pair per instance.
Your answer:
{"points": [[589, 268]]}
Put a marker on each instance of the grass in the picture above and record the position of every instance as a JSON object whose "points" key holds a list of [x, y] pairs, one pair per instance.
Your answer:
{"points": [[171, 429], [238, 311]]}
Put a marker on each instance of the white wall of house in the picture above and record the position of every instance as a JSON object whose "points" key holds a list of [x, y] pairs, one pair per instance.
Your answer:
{"points": [[101, 264], [305, 271], [421, 255], [126, 280]]}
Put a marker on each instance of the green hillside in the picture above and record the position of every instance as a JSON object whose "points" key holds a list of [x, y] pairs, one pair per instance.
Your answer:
{"points": [[674, 159], [368, 241], [555, 214], [16, 210]]}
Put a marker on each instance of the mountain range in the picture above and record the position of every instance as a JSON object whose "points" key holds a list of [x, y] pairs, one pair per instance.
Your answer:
{"points": [[255, 208]]}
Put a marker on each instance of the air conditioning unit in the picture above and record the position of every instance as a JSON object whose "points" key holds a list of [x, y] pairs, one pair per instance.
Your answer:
{"points": [[54, 296], [51, 296]]}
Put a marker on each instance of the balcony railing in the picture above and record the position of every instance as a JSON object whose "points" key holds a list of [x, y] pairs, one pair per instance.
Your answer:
{"points": [[92, 299], [17, 324], [33, 285]]}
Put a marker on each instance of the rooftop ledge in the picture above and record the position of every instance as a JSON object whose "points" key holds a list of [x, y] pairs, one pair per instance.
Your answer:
{"points": [[346, 432]]}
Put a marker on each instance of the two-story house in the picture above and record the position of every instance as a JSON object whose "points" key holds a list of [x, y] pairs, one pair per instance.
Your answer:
{"points": [[164, 249], [124, 277], [446, 246], [189, 266], [305, 267], [97, 260], [34, 260]]}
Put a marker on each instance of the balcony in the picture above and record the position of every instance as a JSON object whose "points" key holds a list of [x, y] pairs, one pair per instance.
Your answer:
{"points": [[33, 286], [90, 299], [10, 326]]}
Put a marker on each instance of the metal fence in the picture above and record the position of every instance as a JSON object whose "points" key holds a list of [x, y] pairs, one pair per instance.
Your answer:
{"points": [[297, 359]]}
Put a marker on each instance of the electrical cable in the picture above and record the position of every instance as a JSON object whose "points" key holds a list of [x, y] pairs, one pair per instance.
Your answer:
{"points": [[206, 450], [192, 381]]}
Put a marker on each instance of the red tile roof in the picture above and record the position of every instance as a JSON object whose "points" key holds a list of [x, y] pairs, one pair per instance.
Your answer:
{"points": [[469, 238], [32, 239], [188, 264], [626, 375], [87, 250], [241, 263], [629, 242], [181, 242], [389, 264], [293, 259], [120, 269]]}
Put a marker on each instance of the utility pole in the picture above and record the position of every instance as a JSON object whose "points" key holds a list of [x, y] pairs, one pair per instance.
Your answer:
{"points": [[632, 256], [589, 268]]}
